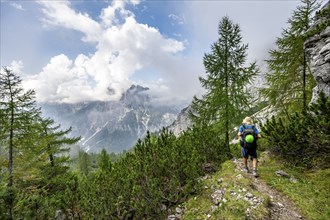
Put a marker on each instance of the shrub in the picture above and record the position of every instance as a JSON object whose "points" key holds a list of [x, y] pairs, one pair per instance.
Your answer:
{"points": [[302, 139]]}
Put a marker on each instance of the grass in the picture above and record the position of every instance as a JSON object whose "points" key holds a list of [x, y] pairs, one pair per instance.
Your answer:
{"points": [[311, 193], [202, 207]]}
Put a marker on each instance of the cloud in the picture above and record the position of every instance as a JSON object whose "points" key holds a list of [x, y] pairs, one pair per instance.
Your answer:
{"points": [[16, 66], [265, 22], [177, 19], [122, 47], [17, 6], [59, 13]]}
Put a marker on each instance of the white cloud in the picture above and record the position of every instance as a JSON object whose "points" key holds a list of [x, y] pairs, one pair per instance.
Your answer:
{"points": [[59, 13], [123, 46], [177, 19], [260, 22], [17, 6], [108, 14], [16, 66]]}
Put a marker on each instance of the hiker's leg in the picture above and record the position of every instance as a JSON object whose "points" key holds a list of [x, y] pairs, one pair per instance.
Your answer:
{"points": [[245, 156], [255, 163], [245, 161], [253, 154]]}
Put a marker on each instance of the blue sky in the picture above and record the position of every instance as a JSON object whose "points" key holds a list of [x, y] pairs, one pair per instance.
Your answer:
{"points": [[74, 51]]}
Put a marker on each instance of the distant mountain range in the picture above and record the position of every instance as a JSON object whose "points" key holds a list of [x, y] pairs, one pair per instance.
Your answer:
{"points": [[113, 125]]}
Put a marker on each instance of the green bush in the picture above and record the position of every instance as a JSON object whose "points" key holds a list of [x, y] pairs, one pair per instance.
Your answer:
{"points": [[303, 139], [158, 174]]}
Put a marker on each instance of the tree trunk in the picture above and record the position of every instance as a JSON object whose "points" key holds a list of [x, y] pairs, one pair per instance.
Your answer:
{"points": [[10, 159]]}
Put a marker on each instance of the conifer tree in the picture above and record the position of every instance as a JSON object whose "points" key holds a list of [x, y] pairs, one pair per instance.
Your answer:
{"points": [[54, 147], [19, 117], [56, 144], [104, 162], [289, 78], [34, 149], [84, 162], [226, 97]]}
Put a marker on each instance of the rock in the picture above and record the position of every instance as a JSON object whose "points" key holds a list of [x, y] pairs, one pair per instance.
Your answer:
{"points": [[325, 49], [217, 196], [214, 208], [178, 210], [208, 168], [59, 215], [239, 176], [178, 216], [293, 180], [171, 217], [282, 173], [317, 48], [205, 177], [249, 195]]}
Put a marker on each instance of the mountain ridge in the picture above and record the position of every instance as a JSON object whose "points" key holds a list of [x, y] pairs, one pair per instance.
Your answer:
{"points": [[112, 125]]}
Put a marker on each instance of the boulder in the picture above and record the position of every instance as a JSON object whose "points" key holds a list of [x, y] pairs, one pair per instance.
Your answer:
{"points": [[317, 48]]}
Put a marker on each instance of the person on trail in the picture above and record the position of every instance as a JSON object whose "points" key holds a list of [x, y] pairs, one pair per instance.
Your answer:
{"points": [[249, 135]]}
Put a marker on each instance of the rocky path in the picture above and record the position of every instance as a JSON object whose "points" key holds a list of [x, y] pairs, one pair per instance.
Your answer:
{"points": [[280, 208]]}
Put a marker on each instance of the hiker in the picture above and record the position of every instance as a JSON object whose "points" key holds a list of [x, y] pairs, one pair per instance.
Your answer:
{"points": [[249, 135]]}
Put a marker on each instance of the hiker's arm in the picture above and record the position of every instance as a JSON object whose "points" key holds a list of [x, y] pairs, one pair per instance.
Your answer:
{"points": [[259, 136], [240, 131]]}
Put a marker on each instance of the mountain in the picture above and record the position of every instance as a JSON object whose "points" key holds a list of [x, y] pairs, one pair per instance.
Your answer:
{"points": [[112, 125], [182, 123]]}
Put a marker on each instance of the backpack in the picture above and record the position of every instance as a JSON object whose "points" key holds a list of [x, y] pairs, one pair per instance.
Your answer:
{"points": [[249, 131]]}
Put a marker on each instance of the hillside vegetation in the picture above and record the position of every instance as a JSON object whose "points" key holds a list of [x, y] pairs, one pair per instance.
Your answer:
{"points": [[196, 175]]}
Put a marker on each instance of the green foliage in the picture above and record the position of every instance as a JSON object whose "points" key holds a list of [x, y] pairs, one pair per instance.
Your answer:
{"points": [[160, 172], [226, 99], [304, 138], [231, 207], [290, 82], [34, 161], [209, 142], [323, 16], [84, 162], [311, 191], [19, 127]]}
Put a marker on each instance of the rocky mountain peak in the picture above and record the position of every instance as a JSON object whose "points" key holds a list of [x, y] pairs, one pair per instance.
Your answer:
{"points": [[135, 96], [112, 125]]}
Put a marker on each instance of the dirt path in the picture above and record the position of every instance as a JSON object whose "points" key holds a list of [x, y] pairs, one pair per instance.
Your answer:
{"points": [[281, 208]]}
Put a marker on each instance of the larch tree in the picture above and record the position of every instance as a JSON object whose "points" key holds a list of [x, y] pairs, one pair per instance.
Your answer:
{"points": [[54, 145], [34, 149], [227, 98], [289, 78], [19, 117]]}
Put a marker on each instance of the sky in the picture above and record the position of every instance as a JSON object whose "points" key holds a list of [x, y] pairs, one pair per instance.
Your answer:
{"points": [[86, 50]]}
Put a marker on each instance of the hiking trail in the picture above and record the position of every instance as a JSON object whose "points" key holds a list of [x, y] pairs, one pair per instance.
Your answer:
{"points": [[280, 207]]}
